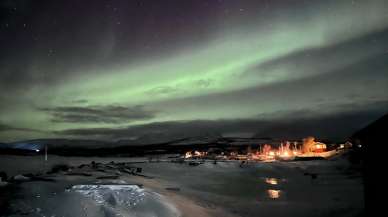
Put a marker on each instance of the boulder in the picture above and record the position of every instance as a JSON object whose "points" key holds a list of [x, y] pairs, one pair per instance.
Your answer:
{"points": [[60, 167], [3, 176], [20, 178], [3, 183]]}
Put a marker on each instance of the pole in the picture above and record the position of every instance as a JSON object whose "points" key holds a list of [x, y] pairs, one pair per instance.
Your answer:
{"points": [[45, 152]]}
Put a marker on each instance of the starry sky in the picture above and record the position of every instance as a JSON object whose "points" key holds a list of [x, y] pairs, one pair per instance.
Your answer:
{"points": [[118, 69]]}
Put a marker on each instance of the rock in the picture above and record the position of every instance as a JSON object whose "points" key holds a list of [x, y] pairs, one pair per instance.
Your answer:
{"points": [[29, 175], [173, 189], [313, 175], [111, 167], [82, 166], [139, 170], [3, 176], [78, 174], [125, 170], [20, 178], [59, 167], [193, 163], [108, 177], [144, 176], [129, 167], [2, 183], [118, 181]]}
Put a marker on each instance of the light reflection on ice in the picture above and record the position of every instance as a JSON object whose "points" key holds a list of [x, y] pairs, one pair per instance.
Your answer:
{"points": [[271, 181], [128, 195], [274, 194], [126, 200]]}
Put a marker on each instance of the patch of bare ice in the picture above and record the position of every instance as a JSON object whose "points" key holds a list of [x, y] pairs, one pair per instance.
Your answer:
{"points": [[127, 200]]}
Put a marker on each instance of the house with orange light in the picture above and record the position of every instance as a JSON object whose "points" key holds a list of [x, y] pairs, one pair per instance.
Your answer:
{"points": [[311, 146]]}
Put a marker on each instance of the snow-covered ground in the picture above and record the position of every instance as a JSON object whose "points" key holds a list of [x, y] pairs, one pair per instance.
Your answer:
{"points": [[269, 189], [314, 188], [14, 165]]}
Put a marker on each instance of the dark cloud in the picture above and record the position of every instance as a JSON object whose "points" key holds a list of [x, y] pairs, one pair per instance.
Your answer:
{"points": [[162, 90], [361, 84], [108, 51], [80, 101], [338, 124], [99, 114], [4, 127], [7, 128], [162, 131], [283, 124]]}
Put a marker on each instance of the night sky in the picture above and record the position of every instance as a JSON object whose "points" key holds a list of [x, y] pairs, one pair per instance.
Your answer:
{"points": [[172, 68]]}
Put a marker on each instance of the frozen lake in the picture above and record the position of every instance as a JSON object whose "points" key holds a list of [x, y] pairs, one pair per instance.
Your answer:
{"points": [[256, 189]]}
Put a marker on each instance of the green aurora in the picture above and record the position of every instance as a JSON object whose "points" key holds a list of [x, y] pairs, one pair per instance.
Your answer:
{"points": [[247, 68]]}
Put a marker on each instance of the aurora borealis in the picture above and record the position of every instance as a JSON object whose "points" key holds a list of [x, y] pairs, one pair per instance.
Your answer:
{"points": [[124, 69]]}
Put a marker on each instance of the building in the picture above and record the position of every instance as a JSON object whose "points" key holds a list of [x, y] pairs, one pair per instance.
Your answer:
{"points": [[310, 145]]}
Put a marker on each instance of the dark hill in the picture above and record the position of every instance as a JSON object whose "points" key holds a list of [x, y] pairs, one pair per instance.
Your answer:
{"points": [[374, 133], [371, 145]]}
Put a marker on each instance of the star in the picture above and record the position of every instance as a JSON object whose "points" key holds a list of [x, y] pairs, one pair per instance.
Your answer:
{"points": [[50, 52], [164, 55]]}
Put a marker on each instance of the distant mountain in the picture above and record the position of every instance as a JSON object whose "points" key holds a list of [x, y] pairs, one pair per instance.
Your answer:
{"points": [[370, 144], [373, 134], [86, 143], [38, 144], [136, 147]]}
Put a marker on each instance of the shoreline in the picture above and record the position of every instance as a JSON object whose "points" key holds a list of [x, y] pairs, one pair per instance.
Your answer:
{"points": [[205, 189]]}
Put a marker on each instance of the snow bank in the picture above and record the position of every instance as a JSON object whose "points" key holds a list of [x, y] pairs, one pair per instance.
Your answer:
{"points": [[127, 200]]}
